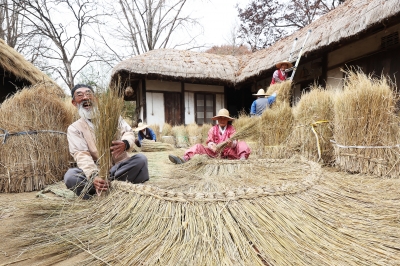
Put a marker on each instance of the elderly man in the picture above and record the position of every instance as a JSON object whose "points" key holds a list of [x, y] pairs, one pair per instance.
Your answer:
{"points": [[217, 134], [280, 74], [258, 106], [82, 147]]}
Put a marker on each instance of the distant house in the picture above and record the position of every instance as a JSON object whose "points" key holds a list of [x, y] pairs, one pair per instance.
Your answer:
{"points": [[181, 87], [16, 72]]}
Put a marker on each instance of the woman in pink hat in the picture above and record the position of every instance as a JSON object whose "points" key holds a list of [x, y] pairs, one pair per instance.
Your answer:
{"points": [[217, 134]]}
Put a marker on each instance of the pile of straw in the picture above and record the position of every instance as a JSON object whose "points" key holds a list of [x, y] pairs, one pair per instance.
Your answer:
{"points": [[166, 130], [156, 129], [284, 90], [274, 129], [108, 109], [204, 132], [31, 161], [149, 146], [194, 133], [242, 121], [313, 120], [366, 129], [181, 136]]}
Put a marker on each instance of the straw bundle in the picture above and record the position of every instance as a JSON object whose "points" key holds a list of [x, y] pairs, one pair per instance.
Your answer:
{"points": [[313, 120], [284, 90], [181, 136], [243, 120], [156, 129], [294, 213], [365, 117], [194, 133], [166, 130], [149, 146], [274, 129], [204, 132], [106, 121], [35, 153]]}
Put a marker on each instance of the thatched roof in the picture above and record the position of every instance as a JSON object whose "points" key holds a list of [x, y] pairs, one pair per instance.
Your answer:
{"points": [[346, 21], [13, 62]]}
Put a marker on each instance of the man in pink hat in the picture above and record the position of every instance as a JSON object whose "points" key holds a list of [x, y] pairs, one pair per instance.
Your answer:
{"points": [[280, 74], [217, 134]]}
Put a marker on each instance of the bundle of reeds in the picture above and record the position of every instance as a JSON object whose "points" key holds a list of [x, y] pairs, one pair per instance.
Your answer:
{"points": [[108, 110], [149, 146], [244, 132], [34, 149], [284, 90], [274, 129], [366, 131], [313, 121], [166, 130], [204, 132], [194, 133], [181, 136], [243, 120], [156, 129]]}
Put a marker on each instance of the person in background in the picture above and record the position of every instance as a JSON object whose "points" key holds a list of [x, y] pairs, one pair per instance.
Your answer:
{"points": [[280, 74], [81, 141], [144, 132], [261, 103], [217, 134]]}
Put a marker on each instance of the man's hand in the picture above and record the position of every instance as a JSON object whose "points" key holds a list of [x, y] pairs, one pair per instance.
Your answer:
{"points": [[100, 185], [117, 148], [212, 146]]}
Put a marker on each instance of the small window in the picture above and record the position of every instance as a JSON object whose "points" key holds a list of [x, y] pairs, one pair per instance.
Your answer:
{"points": [[390, 40], [205, 106]]}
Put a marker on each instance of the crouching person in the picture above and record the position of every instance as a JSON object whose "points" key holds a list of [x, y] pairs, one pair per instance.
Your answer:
{"points": [[219, 133], [82, 147]]}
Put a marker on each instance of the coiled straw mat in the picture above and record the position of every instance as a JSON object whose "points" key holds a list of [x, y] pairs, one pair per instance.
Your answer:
{"points": [[254, 212]]}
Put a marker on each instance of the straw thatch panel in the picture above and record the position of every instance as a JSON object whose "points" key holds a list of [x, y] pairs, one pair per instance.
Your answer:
{"points": [[13, 62], [179, 64], [34, 148]]}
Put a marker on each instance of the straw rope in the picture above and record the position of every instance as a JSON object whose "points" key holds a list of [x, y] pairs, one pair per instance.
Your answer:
{"points": [[30, 132]]}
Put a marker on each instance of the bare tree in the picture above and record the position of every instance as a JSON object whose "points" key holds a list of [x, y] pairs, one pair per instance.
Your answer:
{"points": [[150, 24], [263, 22], [62, 24]]}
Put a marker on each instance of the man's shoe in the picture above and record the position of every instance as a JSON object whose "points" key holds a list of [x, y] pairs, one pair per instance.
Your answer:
{"points": [[175, 159]]}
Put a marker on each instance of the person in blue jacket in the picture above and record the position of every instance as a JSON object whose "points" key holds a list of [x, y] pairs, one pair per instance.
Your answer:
{"points": [[144, 133], [262, 103]]}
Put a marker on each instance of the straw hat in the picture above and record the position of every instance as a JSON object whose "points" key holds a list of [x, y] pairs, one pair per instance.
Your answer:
{"points": [[260, 92], [223, 113], [278, 65], [141, 126]]}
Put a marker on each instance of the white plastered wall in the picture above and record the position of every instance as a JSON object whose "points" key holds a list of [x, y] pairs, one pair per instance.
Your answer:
{"points": [[155, 108], [189, 108], [219, 102]]}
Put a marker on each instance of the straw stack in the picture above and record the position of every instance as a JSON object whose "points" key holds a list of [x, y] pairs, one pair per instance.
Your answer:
{"points": [[166, 130], [156, 129], [150, 146], [181, 136], [106, 121], [313, 120], [366, 128], [204, 132], [284, 90], [194, 133], [30, 161]]}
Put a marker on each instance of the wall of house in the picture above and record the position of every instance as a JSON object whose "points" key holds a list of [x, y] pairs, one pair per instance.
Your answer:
{"points": [[155, 108], [189, 107], [334, 78]]}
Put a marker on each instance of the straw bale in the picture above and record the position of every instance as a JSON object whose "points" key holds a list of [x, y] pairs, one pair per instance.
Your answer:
{"points": [[166, 130], [284, 90], [181, 136], [204, 132], [156, 129], [365, 117], [150, 146], [31, 161], [274, 127], [194, 133], [313, 121], [243, 120]]}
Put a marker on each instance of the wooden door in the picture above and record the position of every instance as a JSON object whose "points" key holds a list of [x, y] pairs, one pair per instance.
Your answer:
{"points": [[172, 105]]}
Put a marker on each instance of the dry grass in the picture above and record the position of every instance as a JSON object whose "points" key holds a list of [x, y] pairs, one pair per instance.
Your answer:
{"points": [[204, 132], [284, 90], [181, 136], [313, 119], [166, 130], [31, 161], [194, 133], [156, 129], [151, 146], [365, 116], [108, 114]]}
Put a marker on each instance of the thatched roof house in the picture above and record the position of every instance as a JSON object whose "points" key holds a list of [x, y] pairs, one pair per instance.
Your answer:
{"points": [[358, 32], [16, 72]]}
